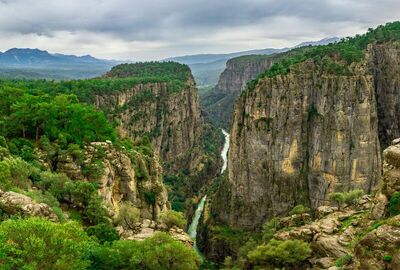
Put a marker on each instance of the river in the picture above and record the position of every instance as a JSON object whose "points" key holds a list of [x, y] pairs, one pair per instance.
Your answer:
{"points": [[192, 231]]}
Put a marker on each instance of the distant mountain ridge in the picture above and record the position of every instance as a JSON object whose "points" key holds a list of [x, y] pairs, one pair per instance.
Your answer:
{"points": [[208, 58], [28, 63], [16, 57], [206, 68]]}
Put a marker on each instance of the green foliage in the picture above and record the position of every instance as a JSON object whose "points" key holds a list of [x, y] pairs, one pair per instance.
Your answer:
{"points": [[270, 228], [175, 194], [387, 258], [299, 210], [394, 204], [280, 253], [347, 197], [173, 218], [47, 198], [59, 118], [344, 260], [79, 195], [312, 112], [128, 215], [38, 244], [155, 253], [15, 172], [150, 197], [103, 233]]}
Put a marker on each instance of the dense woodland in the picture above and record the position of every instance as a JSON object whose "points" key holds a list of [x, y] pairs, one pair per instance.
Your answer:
{"points": [[39, 117]]}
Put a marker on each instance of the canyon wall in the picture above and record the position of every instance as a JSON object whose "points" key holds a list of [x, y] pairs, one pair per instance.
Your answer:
{"points": [[219, 102], [297, 138]]}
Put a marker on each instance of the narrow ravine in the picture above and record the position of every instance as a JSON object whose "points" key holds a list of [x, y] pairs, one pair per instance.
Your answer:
{"points": [[192, 231]]}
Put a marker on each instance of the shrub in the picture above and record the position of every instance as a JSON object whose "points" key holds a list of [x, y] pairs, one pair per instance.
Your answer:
{"points": [[344, 260], [387, 258], [128, 215], [352, 196], [270, 228], [39, 244], [299, 210], [154, 253], [94, 212], [394, 204], [18, 173], [280, 253], [173, 218], [348, 198], [103, 233]]}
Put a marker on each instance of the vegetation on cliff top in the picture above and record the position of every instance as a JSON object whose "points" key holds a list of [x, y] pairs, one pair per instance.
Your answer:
{"points": [[334, 58], [120, 78]]}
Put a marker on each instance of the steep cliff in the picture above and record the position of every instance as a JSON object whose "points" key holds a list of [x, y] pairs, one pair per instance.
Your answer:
{"points": [[219, 102], [164, 110], [314, 124]]}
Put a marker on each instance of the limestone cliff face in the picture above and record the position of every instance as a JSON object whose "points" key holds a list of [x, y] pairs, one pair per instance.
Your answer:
{"points": [[240, 70], [134, 179], [297, 138], [171, 119], [385, 64], [219, 103]]}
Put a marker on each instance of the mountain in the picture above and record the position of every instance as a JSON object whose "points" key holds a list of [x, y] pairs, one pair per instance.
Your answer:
{"points": [[38, 58], [209, 58], [40, 64], [206, 68]]}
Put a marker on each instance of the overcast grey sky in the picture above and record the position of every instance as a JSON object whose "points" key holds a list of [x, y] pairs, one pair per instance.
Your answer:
{"points": [[155, 29]]}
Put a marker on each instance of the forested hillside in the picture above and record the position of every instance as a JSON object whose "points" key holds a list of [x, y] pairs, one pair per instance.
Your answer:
{"points": [[72, 190]]}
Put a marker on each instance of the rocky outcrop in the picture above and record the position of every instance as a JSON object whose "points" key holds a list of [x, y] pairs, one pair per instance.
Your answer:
{"points": [[147, 228], [12, 203], [136, 178], [219, 102]]}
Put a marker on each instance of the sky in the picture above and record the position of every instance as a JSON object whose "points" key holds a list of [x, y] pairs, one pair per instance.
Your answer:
{"points": [[156, 29]]}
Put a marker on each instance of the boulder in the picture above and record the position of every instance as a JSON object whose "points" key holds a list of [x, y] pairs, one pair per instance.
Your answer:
{"points": [[13, 203]]}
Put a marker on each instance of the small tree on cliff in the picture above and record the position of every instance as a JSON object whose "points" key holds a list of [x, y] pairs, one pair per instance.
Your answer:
{"points": [[346, 198]]}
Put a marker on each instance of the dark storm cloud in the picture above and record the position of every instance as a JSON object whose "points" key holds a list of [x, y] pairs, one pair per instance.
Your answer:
{"points": [[178, 25]]}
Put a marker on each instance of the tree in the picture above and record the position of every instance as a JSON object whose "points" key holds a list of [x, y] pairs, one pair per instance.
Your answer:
{"points": [[173, 218], [280, 253], [39, 244], [158, 252]]}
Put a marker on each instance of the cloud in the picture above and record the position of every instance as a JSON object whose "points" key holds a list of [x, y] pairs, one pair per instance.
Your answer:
{"points": [[155, 29]]}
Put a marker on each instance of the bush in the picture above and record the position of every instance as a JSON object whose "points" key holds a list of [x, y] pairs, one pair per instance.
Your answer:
{"points": [[394, 204], [94, 212], [280, 253], [344, 260], [158, 252], [78, 195], [103, 233], [173, 218], [128, 215], [387, 258], [15, 172], [270, 228], [348, 198], [299, 210], [39, 244]]}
